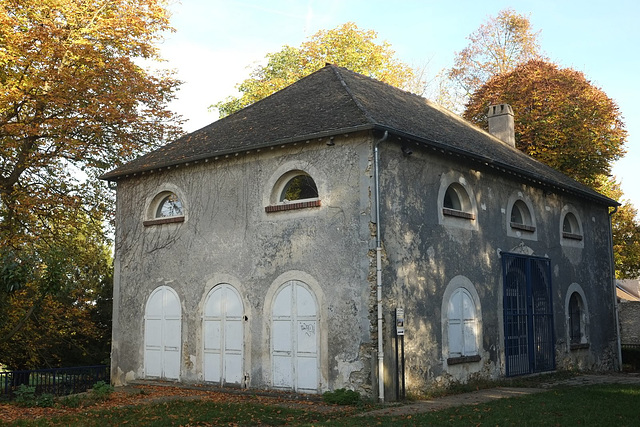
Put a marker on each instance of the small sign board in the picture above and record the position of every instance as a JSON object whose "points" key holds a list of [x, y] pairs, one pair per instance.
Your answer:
{"points": [[399, 321]]}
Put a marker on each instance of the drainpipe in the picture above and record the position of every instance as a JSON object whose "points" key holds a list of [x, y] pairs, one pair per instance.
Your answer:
{"points": [[615, 299], [376, 174]]}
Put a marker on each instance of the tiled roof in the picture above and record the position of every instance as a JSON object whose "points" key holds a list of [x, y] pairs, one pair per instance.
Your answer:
{"points": [[334, 101], [628, 289]]}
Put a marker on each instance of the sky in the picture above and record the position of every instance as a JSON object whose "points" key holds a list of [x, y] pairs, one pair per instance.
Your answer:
{"points": [[217, 42]]}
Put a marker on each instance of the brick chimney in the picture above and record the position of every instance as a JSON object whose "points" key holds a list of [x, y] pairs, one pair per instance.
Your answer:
{"points": [[500, 119]]}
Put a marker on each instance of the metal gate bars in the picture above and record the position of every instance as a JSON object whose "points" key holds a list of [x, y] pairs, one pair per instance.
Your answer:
{"points": [[528, 314]]}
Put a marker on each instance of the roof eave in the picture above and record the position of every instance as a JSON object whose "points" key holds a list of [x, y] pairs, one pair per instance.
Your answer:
{"points": [[116, 174], [486, 161]]}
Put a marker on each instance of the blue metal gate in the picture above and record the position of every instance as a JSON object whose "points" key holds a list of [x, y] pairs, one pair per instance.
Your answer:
{"points": [[528, 314]]}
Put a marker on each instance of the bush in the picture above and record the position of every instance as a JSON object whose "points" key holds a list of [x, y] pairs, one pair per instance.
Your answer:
{"points": [[101, 390], [341, 396], [73, 401], [45, 400], [26, 396]]}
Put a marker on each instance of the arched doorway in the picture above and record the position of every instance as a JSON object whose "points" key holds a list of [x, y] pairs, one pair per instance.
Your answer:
{"points": [[162, 334], [294, 338], [528, 314], [223, 335]]}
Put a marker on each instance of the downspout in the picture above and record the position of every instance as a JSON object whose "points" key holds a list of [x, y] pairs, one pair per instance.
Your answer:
{"points": [[615, 299], [376, 174]]}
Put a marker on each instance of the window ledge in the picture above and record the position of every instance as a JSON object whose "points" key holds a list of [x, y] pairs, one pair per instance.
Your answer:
{"points": [[160, 221], [457, 213], [463, 359], [580, 346], [292, 206], [522, 227], [571, 236]]}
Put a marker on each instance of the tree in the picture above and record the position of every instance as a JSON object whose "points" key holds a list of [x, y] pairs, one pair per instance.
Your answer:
{"points": [[56, 307], [496, 47], [73, 97], [74, 102], [345, 46], [561, 119], [625, 230], [564, 121]]}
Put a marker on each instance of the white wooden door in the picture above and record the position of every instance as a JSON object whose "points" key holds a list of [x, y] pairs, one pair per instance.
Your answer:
{"points": [[223, 335], [162, 334], [294, 338]]}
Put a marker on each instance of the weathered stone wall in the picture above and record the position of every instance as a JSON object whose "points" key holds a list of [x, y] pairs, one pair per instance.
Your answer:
{"points": [[227, 237], [629, 315], [425, 251]]}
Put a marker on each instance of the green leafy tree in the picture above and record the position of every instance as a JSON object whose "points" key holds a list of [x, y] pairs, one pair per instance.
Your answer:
{"points": [[561, 119], [74, 102], [345, 46], [56, 300], [626, 231], [496, 47]]}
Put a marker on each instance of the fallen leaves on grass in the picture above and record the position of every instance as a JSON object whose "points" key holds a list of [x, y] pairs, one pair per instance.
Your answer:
{"points": [[146, 394]]}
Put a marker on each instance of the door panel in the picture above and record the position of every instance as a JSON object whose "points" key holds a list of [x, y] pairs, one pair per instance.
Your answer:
{"points": [[295, 338], [223, 336], [162, 334]]}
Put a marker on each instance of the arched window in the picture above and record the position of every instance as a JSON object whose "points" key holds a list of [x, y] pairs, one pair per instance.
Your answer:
{"points": [[300, 187], [169, 206], [575, 315], [577, 318], [461, 318], [577, 323], [571, 227], [462, 324], [456, 202], [521, 217], [295, 189], [165, 208]]}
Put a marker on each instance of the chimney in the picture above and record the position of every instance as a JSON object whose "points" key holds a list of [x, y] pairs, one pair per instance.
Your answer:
{"points": [[500, 118]]}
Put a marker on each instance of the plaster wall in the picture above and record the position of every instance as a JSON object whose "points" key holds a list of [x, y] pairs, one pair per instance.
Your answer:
{"points": [[227, 237], [425, 251]]}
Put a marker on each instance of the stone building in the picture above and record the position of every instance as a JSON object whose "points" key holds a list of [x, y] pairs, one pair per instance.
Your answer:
{"points": [[273, 248]]}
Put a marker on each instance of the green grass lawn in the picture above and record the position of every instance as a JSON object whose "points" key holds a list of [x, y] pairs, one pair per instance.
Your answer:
{"points": [[603, 405]]}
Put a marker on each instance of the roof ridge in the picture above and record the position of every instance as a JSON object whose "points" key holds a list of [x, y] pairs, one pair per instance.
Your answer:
{"points": [[337, 72]]}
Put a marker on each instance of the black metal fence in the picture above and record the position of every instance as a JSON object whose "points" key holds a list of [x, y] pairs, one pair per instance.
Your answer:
{"points": [[57, 381]]}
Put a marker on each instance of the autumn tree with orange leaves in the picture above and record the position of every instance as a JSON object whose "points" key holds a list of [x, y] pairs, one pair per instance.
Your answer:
{"points": [[560, 118], [75, 101], [564, 121]]}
